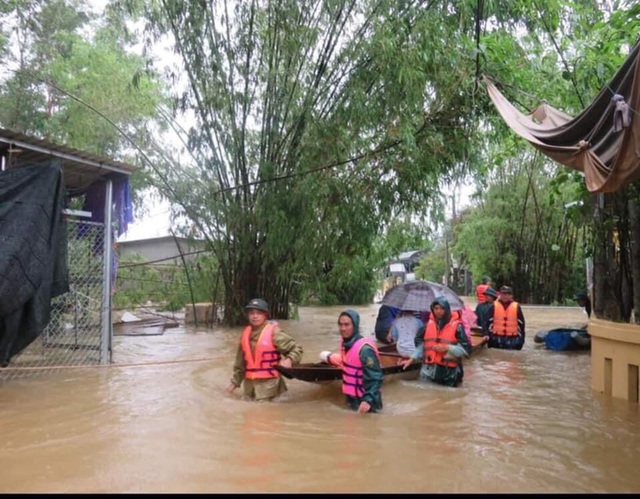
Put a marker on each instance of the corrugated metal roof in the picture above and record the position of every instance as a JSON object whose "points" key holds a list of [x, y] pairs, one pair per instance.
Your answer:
{"points": [[410, 255], [407, 254], [80, 168]]}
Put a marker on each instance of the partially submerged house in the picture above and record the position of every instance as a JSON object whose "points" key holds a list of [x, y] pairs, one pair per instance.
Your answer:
{"points": [[404, 265], [401, 269], [167, 256], [60, 212]]}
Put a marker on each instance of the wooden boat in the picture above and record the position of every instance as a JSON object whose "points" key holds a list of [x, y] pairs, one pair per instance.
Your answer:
{"points": [[319, 372]]}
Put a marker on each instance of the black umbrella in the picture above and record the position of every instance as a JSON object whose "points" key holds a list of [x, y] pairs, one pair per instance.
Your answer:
{"points": [[419, 295]]}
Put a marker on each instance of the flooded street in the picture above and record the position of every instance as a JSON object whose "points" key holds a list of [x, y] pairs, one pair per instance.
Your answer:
{"points": [[523, 421]]}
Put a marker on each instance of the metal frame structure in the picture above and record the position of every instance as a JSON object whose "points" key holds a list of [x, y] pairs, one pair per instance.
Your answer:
{"points": [[80, 329]]}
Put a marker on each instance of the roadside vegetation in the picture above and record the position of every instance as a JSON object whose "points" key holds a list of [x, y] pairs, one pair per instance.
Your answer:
{"points": [[307, 142]]}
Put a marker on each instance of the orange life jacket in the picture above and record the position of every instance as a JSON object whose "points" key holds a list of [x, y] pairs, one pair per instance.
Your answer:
{"points": [[259, 364], [505, 321], [433, 337], [480, 289], [352, 367]]}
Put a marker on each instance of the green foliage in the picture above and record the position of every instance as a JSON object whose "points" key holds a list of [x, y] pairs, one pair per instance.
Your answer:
{"points": [[365, 95], [522, 233], [136, 283], [324, 130], [84, 91], [433, 266], [170, 287], [346, 281], [404, 234], [112, 82], [564, 54]]}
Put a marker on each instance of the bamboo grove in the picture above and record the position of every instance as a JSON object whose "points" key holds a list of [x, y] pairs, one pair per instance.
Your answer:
{"points": [[317, 139]]}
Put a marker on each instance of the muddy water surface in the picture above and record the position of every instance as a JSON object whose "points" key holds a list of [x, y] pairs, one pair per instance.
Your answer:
{"points": [[523, 421]]}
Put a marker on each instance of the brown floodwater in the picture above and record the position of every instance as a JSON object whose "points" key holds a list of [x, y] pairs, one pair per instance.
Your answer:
{"points": [[523, 421]]}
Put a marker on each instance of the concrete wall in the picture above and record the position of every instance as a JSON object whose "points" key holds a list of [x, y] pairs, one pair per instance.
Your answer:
{"points": [[205, 314], [615, 359], [159, 248]]}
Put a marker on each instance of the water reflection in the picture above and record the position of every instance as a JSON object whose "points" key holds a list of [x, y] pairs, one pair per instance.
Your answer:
{"points": [[521, 422]]}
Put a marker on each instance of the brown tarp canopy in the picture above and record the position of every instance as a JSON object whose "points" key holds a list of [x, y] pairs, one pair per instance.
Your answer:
{"points": [[603, 141]]}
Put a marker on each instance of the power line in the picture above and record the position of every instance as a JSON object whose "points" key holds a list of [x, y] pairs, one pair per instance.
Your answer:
{"points": [[372, 153]]}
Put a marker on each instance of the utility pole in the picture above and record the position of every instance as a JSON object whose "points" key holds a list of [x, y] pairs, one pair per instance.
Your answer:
{"points": [[447, 266], [447, 256]]}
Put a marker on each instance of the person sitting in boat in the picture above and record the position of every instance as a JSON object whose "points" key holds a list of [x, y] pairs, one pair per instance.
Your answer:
{"points": [[404, 329], [386, 316], [506, 322], [360, 362], [484, 309], [442, 347], [262, 345]]}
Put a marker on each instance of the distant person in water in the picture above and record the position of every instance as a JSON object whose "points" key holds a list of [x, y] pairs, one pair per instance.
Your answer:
{"points": [[361, 372], [262, 345], [481, 288], [506, 322], [483, 310], [583, 300], [441, 347]]}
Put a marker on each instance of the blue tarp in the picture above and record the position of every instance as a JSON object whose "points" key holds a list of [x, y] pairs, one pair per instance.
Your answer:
{"points": [[563, 339]]}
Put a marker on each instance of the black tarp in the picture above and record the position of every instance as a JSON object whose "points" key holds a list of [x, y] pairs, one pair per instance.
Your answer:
{"points": [[33, 255]]}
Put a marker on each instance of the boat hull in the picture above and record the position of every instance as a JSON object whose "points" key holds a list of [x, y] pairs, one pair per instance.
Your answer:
{"points": [[321, 372]]}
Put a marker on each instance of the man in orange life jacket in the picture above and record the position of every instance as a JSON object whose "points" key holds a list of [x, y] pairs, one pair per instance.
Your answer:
{"points": [[482, 287], [506, 322], [441, 346], [361, 372], [262, 345]]}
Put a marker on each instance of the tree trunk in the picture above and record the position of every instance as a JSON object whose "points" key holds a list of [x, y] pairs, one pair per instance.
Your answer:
{"points": [[599, 258], [634, 223]]}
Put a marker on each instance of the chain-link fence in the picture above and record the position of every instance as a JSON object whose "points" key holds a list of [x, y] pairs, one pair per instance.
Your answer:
{"points": [[74, 335]]}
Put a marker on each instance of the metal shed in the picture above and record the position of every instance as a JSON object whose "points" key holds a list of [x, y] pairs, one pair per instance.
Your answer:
{"points": [[79, 331]]}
